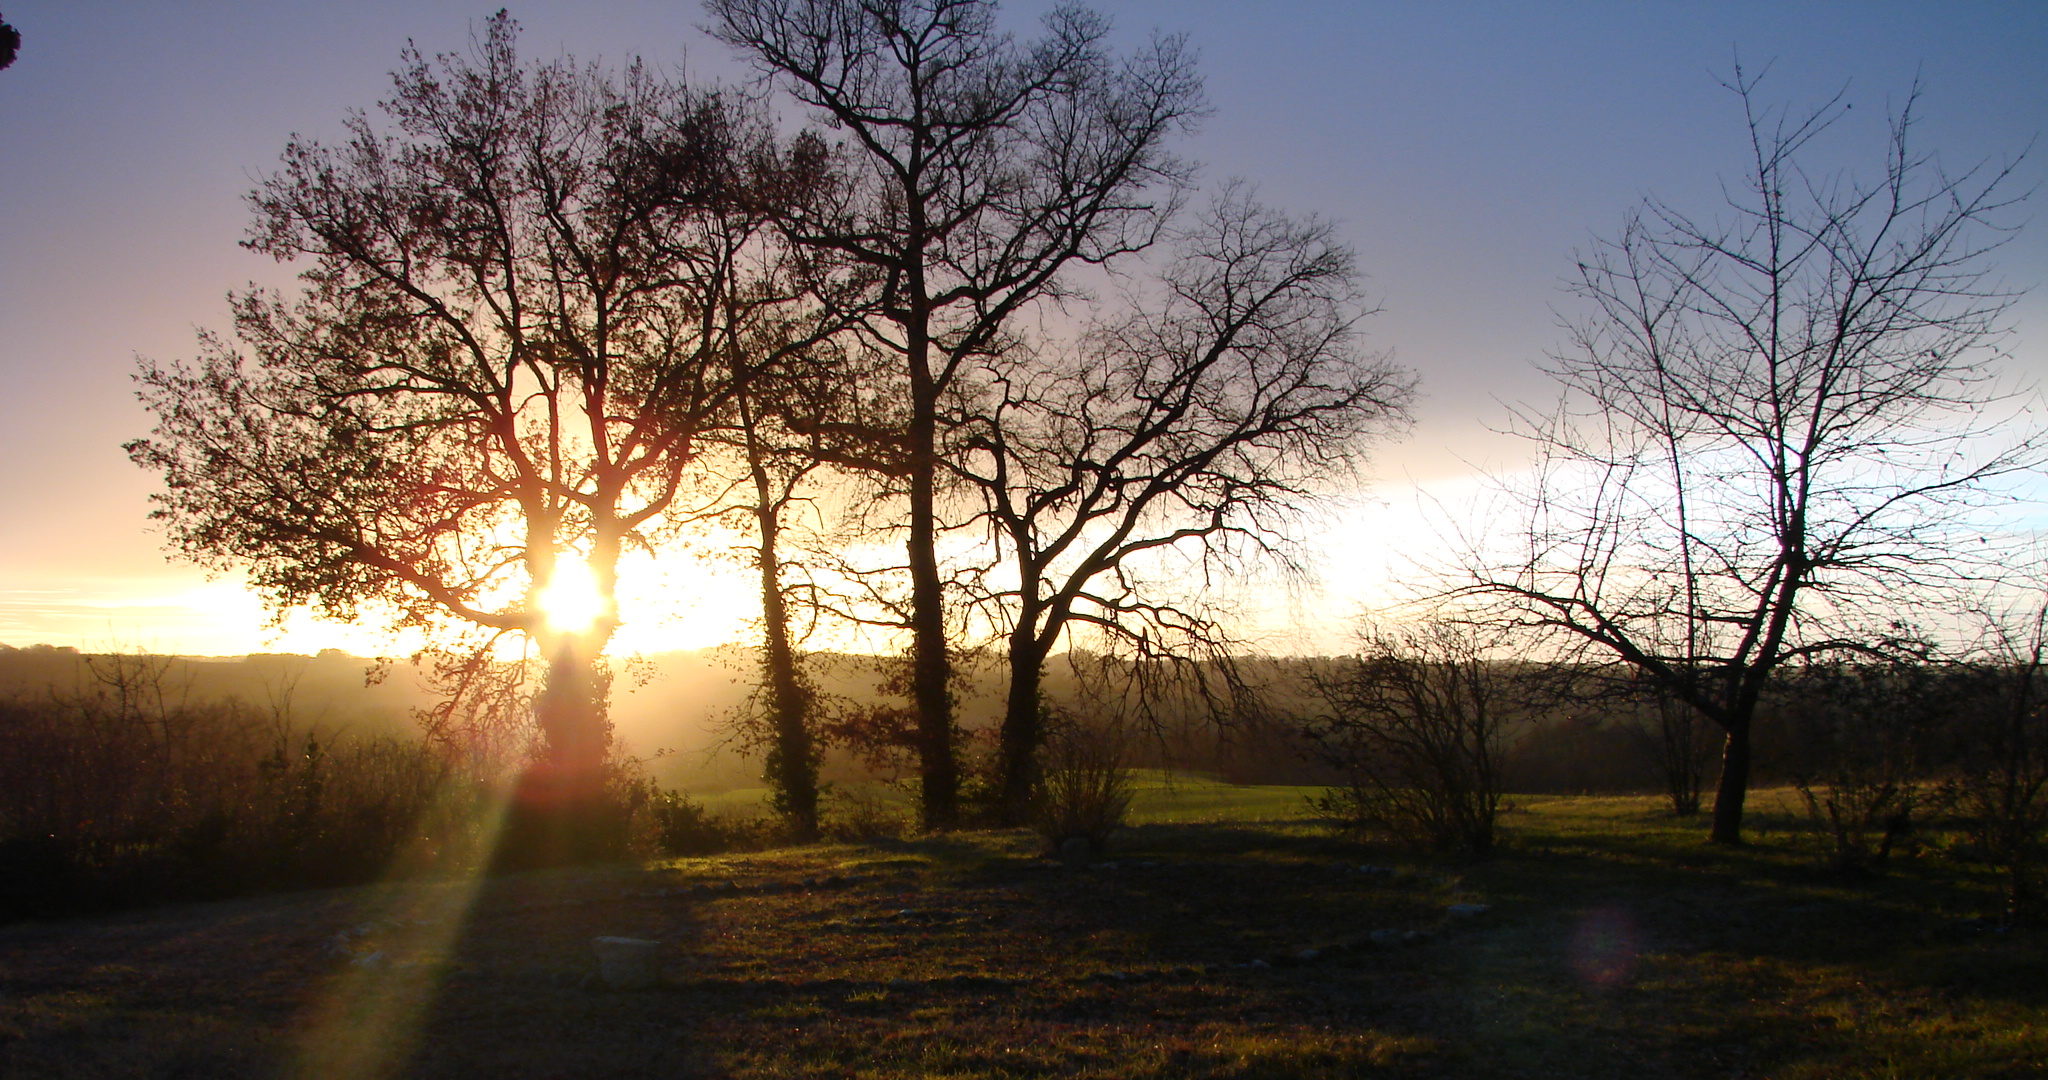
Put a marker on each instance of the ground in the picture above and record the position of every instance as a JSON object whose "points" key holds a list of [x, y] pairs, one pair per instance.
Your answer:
{"points": [[1611, 942]]}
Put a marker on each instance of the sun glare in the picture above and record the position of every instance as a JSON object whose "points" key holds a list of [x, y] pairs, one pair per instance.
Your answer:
{"points": [[572, 603]]}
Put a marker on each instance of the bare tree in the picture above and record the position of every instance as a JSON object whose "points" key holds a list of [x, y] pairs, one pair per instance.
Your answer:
{"points": [[1178, 443], [525, 298], [983, 171], [1774, 427], [1673, 737], [1416, 724], [2001, 782]]}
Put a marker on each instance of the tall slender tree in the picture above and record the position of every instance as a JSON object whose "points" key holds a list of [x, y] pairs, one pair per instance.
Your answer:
{"points": [[984, 170]]}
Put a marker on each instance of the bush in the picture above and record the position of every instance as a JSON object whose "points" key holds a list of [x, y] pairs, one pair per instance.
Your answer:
{"points": [[681, 826], [125, 792], [1679, 742], [1861, 735], [1415, 723], [1084, 789], [858, 815], [1999, 782]]}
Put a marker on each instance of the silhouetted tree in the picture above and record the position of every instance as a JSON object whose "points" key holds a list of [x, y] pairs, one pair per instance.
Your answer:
{"points": [[778, 463], [1770, 426], [529, 296], [1174, 445], [2001, 773], [10, 44], [982, 171], [1415, 723], [1678, 742]]}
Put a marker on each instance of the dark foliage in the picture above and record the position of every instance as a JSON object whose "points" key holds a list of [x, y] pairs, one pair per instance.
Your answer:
{"points": [[123, 795]]}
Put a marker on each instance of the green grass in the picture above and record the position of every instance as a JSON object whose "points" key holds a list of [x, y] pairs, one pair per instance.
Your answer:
{"points": [[1616, 943], [1167, 799], [1160, 798]]}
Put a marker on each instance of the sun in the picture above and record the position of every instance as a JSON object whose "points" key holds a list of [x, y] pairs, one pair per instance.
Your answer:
{"points": [[571, 602]]}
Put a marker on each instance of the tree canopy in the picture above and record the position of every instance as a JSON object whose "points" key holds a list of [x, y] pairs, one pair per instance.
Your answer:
{"points": [[528, 294]]}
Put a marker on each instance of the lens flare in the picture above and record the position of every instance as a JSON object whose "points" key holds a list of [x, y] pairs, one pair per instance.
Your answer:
{"points": [[1605, 948]]}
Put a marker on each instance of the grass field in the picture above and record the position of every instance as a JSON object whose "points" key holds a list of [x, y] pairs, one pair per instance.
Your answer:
{"points": [[1225, 938], [1159, 798]]}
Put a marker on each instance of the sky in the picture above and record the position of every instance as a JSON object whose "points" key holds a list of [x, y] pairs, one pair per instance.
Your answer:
{"points": [[1465, 150]]}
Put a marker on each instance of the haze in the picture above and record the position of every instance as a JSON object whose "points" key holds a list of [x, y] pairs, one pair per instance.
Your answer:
{"points": [[1465, 151]]}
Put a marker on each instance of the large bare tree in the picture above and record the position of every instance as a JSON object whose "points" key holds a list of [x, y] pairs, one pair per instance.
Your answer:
{"points": [[984, 170], [1174, 444], [528, 296], [1778, 425]]}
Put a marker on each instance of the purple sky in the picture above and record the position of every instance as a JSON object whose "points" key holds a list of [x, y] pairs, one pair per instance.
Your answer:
{"points": [[1466, 150]]}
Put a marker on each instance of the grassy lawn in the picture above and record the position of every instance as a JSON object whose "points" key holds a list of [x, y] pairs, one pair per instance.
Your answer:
{"points": [[1159, 798], [1226, 938]]}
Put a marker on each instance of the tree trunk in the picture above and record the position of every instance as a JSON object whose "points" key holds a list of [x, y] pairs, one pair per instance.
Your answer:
{"points": [[792, 757], [570, 714], [1734, 786], [560, 812], [931, 668], [1023, 731]]}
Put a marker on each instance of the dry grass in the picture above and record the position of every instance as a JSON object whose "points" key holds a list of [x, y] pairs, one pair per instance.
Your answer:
{"points": [[1615, 944]]}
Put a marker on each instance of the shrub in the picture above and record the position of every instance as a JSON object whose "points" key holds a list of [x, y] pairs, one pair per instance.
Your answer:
{"points": [[860, 814], [1860, 739], [126, 792], [1999, 782], [1679, 742], [1415, 723], [1084, 789], [682, 826]]}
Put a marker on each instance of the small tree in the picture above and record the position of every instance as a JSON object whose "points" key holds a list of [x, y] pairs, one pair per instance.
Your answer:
{"points": [[1771, 424], [1676, 739], [1862, 738], [1415, 722]]}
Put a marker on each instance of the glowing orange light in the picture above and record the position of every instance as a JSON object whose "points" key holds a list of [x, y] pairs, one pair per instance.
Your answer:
{"points": [[571, 602]]}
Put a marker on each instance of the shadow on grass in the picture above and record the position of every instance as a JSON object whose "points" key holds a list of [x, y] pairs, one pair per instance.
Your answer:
{"points": [[1616, 943]]}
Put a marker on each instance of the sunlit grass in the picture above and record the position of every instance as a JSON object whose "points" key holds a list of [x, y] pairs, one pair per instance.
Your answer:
{"points": [[1165, 798]]}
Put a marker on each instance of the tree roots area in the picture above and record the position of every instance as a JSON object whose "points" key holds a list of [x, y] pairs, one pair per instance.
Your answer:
{"points": [[1605, 939]]}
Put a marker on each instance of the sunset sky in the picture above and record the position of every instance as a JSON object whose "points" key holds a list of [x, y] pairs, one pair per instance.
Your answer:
{"points": [[1465, 149]]}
